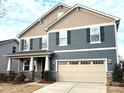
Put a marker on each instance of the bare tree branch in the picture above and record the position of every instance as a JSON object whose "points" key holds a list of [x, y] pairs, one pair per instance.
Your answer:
{"points": [[2, 9]]}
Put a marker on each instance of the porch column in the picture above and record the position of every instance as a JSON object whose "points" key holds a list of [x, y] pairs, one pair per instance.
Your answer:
{"points": [[31, 68], [9, 65], [47, 64]]}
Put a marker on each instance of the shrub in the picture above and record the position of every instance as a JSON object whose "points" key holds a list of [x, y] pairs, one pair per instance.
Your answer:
{"points": [[11, 76], [3, 77], [47, 75], [117, 75], [20, 77]]}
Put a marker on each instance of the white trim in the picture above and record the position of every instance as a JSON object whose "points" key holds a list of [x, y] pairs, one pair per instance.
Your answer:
{"points": [[47, 64], [104, 59], [35, 64], [9, 64], [41, 18], [107, 16], [90, 49], [115, 29], [31, 65], [82, 27]]}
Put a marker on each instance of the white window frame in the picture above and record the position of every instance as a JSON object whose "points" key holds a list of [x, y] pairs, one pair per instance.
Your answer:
{"points": [[61, 37], [27, 44], [25, 65], [46, 39], [92, 42]]}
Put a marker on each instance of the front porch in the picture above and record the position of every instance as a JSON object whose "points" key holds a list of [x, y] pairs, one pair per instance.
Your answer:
{"points": [[32, 63]]}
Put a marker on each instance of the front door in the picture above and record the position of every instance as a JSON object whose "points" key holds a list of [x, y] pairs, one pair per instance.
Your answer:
{"points": [[39, 65]]}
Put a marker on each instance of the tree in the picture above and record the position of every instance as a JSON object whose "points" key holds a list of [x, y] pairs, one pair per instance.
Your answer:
{"points": [[2, 8], [117, 75]]}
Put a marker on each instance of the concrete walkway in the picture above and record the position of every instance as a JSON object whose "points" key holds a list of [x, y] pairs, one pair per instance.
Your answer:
{"points": [[73, 87]]}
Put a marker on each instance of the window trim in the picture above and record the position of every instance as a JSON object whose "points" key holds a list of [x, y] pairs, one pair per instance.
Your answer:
{"points": [[95, 42], [25, 65], [28, 45], [64, 38], [46, 39], [13, 49]]}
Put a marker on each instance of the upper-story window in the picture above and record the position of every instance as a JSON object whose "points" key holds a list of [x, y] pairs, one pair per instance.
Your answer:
{"points": [[44, 43], [95, 35], [59, 14], [13, 49], [63, 38], [26, 44]]}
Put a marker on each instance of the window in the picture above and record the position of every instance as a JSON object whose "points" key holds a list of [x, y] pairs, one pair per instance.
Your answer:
{"points": [[13, 49], [63, 38], [26, 44], [85, 62], [59, 14], [95, 35], [98, 62], [26, 65], [44, 43], [74, 62]]}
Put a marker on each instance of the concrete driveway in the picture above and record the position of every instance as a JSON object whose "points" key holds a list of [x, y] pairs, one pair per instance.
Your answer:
{"points": [[73, 87]]}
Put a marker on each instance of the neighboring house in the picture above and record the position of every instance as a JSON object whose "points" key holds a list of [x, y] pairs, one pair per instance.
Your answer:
{"points": [[73, 43], [6, 47]]}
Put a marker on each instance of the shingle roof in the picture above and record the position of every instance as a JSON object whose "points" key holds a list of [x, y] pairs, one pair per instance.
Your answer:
{"points": [[7, 41], [29, 53]]}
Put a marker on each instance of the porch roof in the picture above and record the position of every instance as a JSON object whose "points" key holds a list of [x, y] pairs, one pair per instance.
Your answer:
{"points": [[25, 54]]}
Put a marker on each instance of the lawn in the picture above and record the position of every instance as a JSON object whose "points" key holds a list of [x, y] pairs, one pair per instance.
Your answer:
{"points": [[18, 88]]}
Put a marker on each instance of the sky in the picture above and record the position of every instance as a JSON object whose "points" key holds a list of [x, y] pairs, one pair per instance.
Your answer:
{"points": [[21, 13]]}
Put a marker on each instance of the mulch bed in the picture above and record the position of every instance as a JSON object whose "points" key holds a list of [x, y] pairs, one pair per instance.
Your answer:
{"points": [[117, 84], [13, 82], [48, 82]]}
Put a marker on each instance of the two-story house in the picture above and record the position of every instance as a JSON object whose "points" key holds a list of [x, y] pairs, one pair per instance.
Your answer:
{"points": [[73, 43]]}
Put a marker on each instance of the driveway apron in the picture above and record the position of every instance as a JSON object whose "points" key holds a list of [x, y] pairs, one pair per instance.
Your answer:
{"points": [[73, 87]]}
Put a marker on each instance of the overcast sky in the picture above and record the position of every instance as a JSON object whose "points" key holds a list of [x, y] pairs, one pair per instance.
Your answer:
{"points": [[21, 13]]}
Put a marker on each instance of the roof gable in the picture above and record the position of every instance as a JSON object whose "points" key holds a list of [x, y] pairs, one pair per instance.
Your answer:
{"points": [[42, 17], [77, 6]]}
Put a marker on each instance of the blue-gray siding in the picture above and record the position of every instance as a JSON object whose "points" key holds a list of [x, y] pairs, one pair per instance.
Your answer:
{"points": [[79, 40], [109, 54], [7, 49]]}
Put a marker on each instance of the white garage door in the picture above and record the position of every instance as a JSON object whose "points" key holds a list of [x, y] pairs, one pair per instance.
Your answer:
{"points": [[83, 71]]}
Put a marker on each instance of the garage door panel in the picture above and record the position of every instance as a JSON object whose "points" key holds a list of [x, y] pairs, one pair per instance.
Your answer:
{"points": [[69, 71]]}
